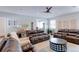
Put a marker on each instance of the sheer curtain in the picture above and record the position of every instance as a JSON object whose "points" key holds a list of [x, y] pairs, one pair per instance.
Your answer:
{"points": [[40, 25], [52, 24]]}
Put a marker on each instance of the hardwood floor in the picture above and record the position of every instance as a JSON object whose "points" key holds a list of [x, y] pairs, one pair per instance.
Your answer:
{"points": [[44, 47]]}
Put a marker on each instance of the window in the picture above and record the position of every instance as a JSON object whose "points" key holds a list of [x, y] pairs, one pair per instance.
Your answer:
{"points": [[52, 24], [40, 25]]}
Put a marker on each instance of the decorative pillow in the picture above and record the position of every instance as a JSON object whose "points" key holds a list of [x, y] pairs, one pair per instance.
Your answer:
{"points": [[72, 34], [27, 47], [77, 36], [24, 41]]}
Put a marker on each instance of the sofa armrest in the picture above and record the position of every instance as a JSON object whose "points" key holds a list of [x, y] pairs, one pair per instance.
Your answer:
{"points": [[24, 41]]}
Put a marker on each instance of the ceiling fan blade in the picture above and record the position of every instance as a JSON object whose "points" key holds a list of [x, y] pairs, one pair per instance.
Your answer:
{"points": [[48, 9]]}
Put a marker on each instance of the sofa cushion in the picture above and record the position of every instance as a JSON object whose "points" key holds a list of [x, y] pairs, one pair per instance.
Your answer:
{"points": [[71, 34], [38, 34], [77, 36], [27, 47], [29, 32], [39, 39]]}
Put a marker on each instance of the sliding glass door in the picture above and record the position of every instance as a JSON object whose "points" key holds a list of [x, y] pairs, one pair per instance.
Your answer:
{"points": [[52, 25]]}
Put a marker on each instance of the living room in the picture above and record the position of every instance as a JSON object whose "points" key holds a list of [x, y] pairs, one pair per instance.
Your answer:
{"points": [[35, 28]]}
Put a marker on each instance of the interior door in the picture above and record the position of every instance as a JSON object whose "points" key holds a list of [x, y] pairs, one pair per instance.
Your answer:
{"points": [[2, 26]]}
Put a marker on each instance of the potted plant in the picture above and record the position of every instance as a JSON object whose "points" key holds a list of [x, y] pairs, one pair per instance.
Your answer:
{"points": [[49, 31]]}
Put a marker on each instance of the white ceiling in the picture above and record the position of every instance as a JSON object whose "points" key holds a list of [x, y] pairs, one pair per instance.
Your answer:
{"points": [[38, 11]]}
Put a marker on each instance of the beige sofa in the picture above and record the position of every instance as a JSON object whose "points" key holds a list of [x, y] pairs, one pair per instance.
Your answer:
{"points": [[10, 44], [24, 42]]}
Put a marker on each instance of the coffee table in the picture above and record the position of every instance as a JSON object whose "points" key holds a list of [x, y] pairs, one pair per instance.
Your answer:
{"points": [[57, 44]]}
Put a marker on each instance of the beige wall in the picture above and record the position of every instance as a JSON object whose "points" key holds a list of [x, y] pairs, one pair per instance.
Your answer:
{"points": [[77, 24], [66, 23], [2, 26]]}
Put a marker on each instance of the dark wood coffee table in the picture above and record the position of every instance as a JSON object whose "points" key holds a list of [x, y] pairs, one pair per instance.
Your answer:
{"points": [[58, 45]]}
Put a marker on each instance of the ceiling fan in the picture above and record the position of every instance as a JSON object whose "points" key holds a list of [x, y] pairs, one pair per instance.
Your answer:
{"points": [[48, 10]]}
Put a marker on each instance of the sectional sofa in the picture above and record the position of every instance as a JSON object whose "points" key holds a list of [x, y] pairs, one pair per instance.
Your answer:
{"points": [[35, 36], [71, 35]]}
